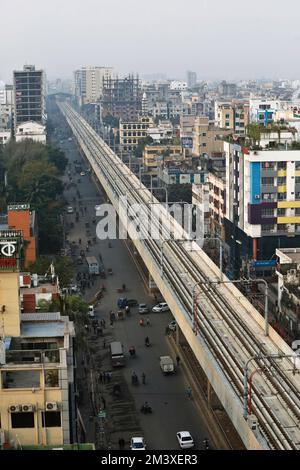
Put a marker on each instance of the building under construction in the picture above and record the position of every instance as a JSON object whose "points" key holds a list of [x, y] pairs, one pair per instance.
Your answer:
{"points": [[122, 98]]}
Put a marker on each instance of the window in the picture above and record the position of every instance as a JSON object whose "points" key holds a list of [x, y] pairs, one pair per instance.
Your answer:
{"points": [[268, 196], [267, 180], [51, 419], [227, 116], [297, 195], [281, 180], [22, 420], [297, 165], [227, 124], [297, 179], [204, 134], [267, 228], [281, 165], [297, 211], [267, 212], [281, 196], [268, 165], [281, 227], [204, 144], [280, 212]]}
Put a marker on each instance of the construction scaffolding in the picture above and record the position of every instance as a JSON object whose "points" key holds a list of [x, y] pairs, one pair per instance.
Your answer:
{"points": [[122, 98]]}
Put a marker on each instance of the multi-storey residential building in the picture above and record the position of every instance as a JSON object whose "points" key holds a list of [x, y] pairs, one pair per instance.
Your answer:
{"points": [[29, 96], [89, 83], [217, 204], [132, 132], [36, 368], [206, 137], [233, 115], [178, 85], [227, 89], [156, 155], [200, 198], [263, 111], [163, 131], [262, 200], [191, 79]]}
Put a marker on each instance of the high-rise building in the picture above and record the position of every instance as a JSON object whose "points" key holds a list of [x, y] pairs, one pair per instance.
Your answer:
{"points": [[262, 201], [191, 78], [29, 96], [89, 83]]}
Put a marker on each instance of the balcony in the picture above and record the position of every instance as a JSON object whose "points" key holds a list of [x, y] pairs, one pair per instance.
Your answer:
{"points": [[33, 356]]}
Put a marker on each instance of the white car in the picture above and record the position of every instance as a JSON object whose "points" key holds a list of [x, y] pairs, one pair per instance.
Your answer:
{"points": [[137, 443], [82, 173], [70, 210], [91, 312], [185, 440], [162, 307]]}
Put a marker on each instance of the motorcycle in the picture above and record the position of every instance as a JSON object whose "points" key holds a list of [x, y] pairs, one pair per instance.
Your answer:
{"points": [[146, 409], [147, 342]]}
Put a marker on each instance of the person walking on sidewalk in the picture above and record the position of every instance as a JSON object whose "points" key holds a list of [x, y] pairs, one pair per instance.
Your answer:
{"points": [[177, 360], [189, 392], [143, 378]]}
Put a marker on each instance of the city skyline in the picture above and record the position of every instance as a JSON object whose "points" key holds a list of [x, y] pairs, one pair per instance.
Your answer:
{"points": [[158, 39]]}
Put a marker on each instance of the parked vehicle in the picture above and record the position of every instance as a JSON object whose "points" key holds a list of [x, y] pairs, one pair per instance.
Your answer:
{"points": [[185, 440], [143, 308], [132, 302], [117, 354], [91, 311], [137, 443], [167, 364], [93, 265], [70, 210], [161, 307], [79, 261], [122, 302]]}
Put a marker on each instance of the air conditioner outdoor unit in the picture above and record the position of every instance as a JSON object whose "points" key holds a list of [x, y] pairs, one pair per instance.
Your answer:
{"points": [[257, 196], [15, 408], [27, 408], [51, 406]]}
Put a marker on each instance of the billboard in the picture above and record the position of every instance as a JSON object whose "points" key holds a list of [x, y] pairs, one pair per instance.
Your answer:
{"points": [[264, 263], [187, 142]]}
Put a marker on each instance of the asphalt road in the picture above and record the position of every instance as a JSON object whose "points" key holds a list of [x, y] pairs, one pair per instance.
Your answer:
{"points": [[172, 410]]}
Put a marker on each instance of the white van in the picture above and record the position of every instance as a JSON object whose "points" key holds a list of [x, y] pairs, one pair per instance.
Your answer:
{"points": [[91, 311]]}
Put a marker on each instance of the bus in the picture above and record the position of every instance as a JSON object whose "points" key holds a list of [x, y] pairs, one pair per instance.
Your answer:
{"points": [[93, 265], [117, 354]]}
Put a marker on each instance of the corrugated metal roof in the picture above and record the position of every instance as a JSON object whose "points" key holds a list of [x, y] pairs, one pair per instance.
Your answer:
{"points": [[41, 316]]}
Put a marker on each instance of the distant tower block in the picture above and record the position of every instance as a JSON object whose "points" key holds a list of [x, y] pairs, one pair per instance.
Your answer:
{"points": [[144, 105]]}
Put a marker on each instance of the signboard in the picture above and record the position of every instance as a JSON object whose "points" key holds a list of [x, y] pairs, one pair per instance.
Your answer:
{"points": [[10, 242], [187, 142], [102, 414], [264, 264]]}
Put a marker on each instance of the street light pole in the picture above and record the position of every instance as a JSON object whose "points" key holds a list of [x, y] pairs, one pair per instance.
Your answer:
{"points": [[246, 370]]}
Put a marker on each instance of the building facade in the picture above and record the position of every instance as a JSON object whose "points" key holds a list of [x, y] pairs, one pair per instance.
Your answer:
{"points": [[262, 200], [132, 132], [88, 83], [36, 364], [232, 115], [29, 96]]}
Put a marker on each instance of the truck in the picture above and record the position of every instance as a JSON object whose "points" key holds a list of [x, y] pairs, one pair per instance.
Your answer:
{"points": [[93, 265], [167, 364]]}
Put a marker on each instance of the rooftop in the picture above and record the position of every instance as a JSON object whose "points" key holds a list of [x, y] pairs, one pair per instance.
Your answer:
{"points": [[42, 329], [288, 255]]}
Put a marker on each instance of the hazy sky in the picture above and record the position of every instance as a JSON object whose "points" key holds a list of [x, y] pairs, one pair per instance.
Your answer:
{"points": [[216, 38]]}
